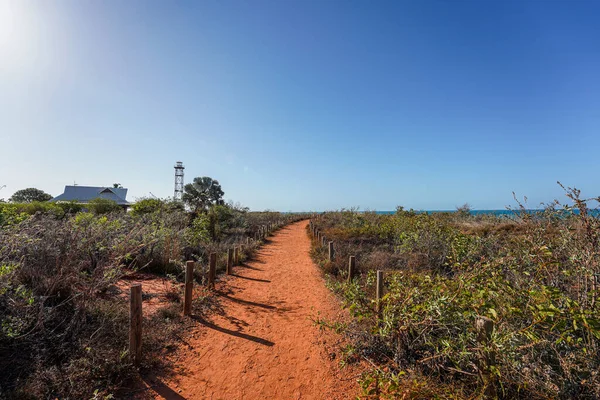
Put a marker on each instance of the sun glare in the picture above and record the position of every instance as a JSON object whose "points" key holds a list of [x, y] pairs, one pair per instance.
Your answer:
{"points": [[16, 30]]}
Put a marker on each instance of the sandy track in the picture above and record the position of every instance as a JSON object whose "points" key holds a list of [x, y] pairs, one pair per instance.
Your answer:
{"points": [[262, 344]]}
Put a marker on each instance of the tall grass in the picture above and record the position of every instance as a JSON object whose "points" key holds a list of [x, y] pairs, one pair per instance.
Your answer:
{"points": [[534, 275], [63, 328]]}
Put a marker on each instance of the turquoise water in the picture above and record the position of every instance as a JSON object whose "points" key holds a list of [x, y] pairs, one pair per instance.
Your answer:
{"points": [[473, 212], [508, 213]]}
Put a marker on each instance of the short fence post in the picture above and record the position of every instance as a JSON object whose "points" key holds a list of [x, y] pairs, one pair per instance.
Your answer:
{"points": [[331, 252], [135, 323], [379, 291], [189, 288], [323, 240], [351, 267], [487, 359], [229, 260], [248, 240], [212, 270], [237, 254]]}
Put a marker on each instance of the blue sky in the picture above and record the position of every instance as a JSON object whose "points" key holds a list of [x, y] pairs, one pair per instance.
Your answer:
{"points": [[304, 105]]}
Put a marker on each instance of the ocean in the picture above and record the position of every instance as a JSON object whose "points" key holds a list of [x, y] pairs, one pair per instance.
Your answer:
{"points": [[506, 213], [472, 212]]}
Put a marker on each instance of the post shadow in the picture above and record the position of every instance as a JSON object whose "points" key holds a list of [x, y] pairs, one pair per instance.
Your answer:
{"points": [[251, 279], [226, 331]]}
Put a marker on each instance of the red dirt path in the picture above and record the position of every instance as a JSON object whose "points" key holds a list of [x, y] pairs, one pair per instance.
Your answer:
{"points": [[262, 343]]}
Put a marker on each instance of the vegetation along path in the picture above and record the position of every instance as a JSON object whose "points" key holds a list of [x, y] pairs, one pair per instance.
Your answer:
{"points": [[263, 343]]}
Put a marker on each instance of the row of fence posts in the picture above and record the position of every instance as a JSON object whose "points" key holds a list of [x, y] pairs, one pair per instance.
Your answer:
{"points": [[135, 291], [321, 239], [265, 230], [483, 325]]}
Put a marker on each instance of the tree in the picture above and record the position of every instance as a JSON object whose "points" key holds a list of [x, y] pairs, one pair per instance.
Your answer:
{"points": [[117, 185], [464, 210], [29, 195], [202, 193]]}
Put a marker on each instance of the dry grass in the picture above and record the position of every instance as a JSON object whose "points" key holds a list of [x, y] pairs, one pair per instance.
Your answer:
{"points": [[535, 277], [64, 330]]}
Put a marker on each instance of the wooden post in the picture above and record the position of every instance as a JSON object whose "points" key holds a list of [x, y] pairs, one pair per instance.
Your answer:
{"points": [[229, 260], [189, 288], [351, 267], [331, 252], [212, 270], [248, 241], [487, 359], [323, 240], [135, 323], [379, 291], [236, 256]]}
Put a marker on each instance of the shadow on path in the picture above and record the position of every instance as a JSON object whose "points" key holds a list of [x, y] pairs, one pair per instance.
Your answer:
{"points": [[163, 390], [246, 302], [250, 279], [254, 339], [244, 265]]}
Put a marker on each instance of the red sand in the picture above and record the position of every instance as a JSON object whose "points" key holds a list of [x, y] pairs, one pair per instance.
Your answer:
{"points": [[263, 344], [156, 290]]}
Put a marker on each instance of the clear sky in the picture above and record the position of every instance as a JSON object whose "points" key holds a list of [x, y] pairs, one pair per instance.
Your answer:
{"points": [[304, 105]]}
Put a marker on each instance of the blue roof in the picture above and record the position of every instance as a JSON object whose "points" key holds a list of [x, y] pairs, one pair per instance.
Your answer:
{"points": [[83, 194]]}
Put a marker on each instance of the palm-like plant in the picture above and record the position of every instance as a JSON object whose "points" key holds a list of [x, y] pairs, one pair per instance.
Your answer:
{"points": [[202, 193]]}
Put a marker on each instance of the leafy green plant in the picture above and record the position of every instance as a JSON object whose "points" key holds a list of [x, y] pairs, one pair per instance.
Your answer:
{"points": [[534, 276], [63, 331], [102, 206]]}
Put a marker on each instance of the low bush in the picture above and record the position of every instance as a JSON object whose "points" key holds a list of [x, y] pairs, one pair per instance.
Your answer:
{"points": [[534, 275], [63, 329]]}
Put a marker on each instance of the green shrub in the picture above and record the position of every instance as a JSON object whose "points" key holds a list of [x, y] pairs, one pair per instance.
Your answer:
{"points": [[102, 206], [63, 332], [147, 206], [535, 277], [14, 213]]}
